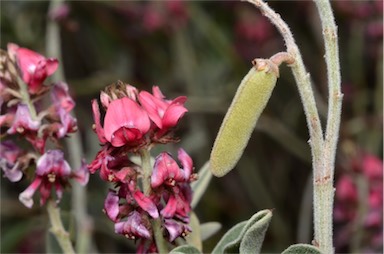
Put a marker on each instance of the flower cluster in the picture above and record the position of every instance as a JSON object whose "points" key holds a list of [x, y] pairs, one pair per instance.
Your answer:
{"points": [[133, 122], [25, 115], [360, 187]]}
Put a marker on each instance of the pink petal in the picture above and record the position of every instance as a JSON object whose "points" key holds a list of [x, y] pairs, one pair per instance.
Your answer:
{"points": [[124, 135], [111, 205], [134, 226], [186, 162], [61, 97], [26, 196], [53, 162], [165, 169], [170, 209], [28, 61], [146, 204], [81, 175], [51, 65], [23, 121], [153, 106], [96, 117], [172, 115], [128, 114]]}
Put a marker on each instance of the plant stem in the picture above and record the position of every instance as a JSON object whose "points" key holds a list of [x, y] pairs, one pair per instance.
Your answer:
{"points": [[334, 80], [303, 82], [146, 182], [323, 232], [57, 228], [79, 197], [26, 99], [323, 151]]}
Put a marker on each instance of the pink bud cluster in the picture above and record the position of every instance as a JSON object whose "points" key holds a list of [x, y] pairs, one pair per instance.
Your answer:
{"points": [[359, 199], [24, 115], [134, 122]]}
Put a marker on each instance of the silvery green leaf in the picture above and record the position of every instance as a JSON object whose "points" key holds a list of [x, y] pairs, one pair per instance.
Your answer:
{"points": [[185, 249], [239, 238], [194, 238], [301, 249], [254, 236], [208, 229], [200, 186]]}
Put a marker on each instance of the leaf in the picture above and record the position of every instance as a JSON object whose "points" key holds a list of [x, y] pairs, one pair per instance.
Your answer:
{"points": [[200, 186], [185, 249], [254, 236], [208, 229], [301, 249], [247, 236], [194, 238], [232, 235]]}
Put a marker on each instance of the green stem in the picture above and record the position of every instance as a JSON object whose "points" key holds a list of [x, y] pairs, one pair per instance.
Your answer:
{"points": [[303, 82], [57, 228], [333, 124], [146, 166], [79, 197], [26, 99]]}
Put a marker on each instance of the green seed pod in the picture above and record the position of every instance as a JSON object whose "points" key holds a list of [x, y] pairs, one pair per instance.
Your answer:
{"points": [[250, 100]]}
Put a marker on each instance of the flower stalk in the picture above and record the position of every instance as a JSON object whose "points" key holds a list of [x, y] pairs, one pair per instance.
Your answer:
{"points": [[79, 197], [57, 228], [146, 182], [323, 231]]}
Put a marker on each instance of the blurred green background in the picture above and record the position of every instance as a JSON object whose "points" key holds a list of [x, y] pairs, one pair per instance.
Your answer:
{"points": [[203, 49]]}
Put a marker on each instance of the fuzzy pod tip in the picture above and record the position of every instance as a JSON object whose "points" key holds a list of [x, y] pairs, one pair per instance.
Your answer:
{"points": [[247, 105]]}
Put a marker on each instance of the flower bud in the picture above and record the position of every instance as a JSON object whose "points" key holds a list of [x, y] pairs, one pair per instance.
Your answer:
{"points": [[250, 100]]}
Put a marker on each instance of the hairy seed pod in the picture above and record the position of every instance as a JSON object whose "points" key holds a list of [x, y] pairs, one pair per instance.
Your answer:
{"points": [[250, 100]]}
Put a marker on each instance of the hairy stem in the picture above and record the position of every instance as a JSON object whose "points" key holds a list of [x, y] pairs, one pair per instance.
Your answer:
{"points": [[146, 166], [303, 82], [323, 150], [57, 228], [79, 198], [333, 122]]}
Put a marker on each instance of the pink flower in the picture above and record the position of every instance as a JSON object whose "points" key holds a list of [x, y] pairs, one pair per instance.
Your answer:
{"points": [[146, 204], [97, 127], [176, 229], [167, 171], [372, 166], [52, 170], [34, 67], [125, 122], [81, 174], [135, 226], [23, 121], [9, 154], [346, 189], [61, 97], [164, 113], [111, 205]]}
